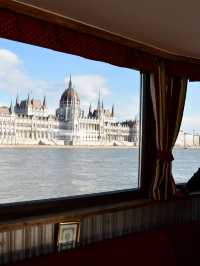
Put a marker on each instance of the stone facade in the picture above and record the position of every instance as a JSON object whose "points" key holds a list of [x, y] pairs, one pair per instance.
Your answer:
{"points": [[28, 122]]}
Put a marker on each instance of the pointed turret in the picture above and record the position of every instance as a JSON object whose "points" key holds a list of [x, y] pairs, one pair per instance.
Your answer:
{"points": [[17, 101], [99, 104], [44, 102], [28, 101], [113, 111], [90, 108], [70, 83], [11, 109], [90, 112], [102, 107]]}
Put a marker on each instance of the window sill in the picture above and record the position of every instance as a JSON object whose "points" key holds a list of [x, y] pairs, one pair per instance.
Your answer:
{"points": [[22, 214]]}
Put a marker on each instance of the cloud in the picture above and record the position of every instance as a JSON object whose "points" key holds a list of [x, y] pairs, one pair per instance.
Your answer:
{"points": [[14, 79], [13, 76], [128, 109], [88, 87], [190, 123], [8, 57]]}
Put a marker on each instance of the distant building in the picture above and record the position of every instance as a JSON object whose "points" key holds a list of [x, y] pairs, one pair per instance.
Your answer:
{"points": [[187, 140], [28, 122]]}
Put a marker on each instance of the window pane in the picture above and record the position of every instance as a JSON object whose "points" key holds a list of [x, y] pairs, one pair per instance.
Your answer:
{"points": [[187, 152], [68, 125]]}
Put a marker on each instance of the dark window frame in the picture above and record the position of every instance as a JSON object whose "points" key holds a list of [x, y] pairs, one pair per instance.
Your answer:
{"points": [[17, 210], [54, 206], [42, 207]]}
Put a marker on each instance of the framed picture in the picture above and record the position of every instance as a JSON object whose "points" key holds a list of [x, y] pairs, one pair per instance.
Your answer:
{"points": [[68, 235]]}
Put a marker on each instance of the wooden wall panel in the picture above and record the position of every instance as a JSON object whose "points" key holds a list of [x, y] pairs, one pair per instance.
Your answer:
{"points": [[25, 243], [40, 239]]}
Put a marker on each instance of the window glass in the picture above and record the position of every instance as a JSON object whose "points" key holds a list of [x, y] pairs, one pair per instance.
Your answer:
{"points": [[68, 125], [187, 152]]}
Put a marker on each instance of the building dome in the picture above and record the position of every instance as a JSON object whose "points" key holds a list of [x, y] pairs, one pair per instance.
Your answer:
{"points": [[70, 94]]}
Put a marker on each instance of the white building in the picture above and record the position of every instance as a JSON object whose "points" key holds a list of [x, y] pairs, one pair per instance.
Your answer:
{"points": [[187, 140], [28, 122]]}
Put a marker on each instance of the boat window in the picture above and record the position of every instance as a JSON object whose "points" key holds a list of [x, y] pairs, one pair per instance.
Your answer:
{"points": [[187, 149], [68, 126]]}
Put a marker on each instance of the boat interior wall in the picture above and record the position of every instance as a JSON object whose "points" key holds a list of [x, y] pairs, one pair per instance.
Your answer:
{"points": [[48, 34], [50, 29], [146, 23], [111, 35], [35, 237], [175, 245]]}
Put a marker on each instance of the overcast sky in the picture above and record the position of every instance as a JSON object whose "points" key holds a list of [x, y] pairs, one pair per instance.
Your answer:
{"points": [[29, 69]]}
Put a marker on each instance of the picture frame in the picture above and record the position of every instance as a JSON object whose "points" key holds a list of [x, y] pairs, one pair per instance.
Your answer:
{"points": [[68, 235]]}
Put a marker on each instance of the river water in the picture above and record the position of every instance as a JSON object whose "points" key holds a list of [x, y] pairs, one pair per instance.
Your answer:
{"points": [[41, 173]]}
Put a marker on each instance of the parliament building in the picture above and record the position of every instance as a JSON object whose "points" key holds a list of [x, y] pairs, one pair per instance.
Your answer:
{"points": [[29, 123]]}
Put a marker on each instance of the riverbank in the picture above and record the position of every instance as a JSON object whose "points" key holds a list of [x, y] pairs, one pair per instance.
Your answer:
{"points": [[30, 146], [189, 147], [20, 146]]}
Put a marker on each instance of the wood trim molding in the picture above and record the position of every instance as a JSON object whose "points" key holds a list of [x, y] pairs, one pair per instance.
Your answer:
{"points": [[73, 206], [91, 30], [69, 216], [81, 213]]}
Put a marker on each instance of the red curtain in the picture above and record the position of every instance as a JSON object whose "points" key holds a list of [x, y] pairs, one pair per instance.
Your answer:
{"points": [[31, 30], [24, 28]]}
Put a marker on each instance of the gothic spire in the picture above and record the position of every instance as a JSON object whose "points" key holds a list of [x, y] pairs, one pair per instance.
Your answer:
{"points": [[17, 100], [90, 108], [102, 106], [70, 83], [113, 111], [44, 102], [99, 104], [11, 109], [28, 99], [90, 112]]}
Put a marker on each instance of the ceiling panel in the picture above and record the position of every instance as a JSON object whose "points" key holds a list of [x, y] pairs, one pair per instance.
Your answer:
{"points": [[172, 26]]}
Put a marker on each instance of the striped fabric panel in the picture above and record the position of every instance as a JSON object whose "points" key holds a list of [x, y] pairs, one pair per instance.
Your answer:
{"points": [[121, 223], [26, 243], [37, 240], [168, 97]]}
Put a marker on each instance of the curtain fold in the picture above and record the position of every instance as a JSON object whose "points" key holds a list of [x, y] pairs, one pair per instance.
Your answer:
{"points": [[168, 98]]}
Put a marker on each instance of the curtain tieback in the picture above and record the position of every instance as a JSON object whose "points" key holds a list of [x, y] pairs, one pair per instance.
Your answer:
{"points": [[165, 156]]}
